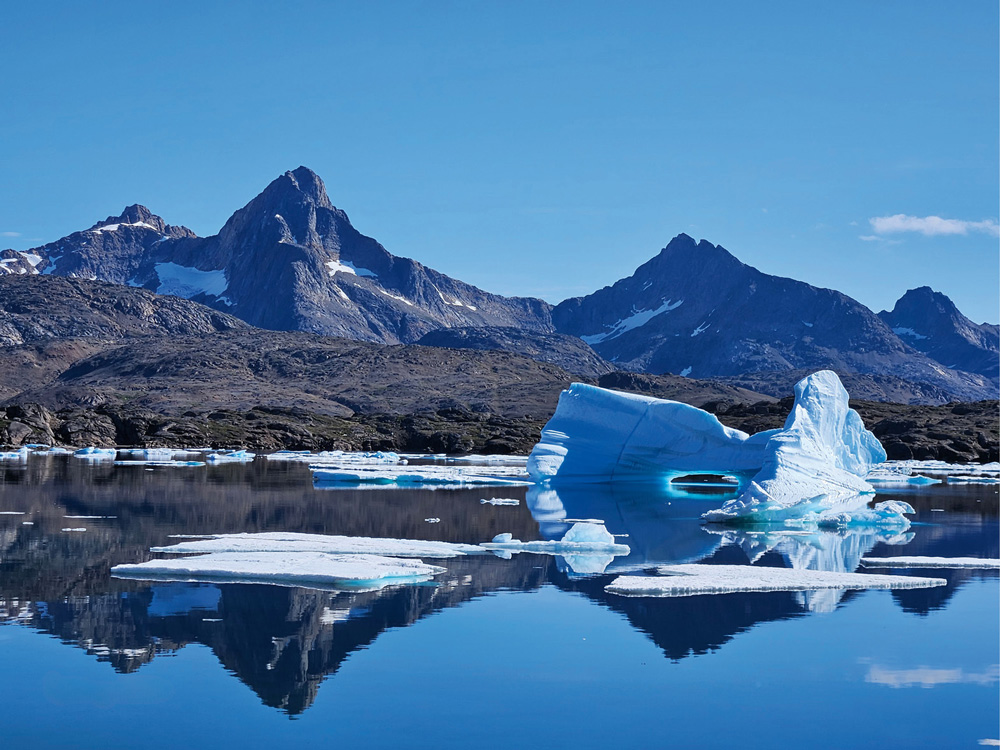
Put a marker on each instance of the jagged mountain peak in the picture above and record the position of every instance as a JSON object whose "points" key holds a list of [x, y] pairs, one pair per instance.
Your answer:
{"points": [[134, 215], [300, 185], [924, 298]]}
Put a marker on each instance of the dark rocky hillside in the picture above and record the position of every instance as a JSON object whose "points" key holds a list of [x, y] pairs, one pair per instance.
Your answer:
{"points": [[929, 322], [289, 260], [568, 352]]}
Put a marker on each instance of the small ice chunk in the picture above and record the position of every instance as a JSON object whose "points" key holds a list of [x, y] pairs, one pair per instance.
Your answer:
{"points": [[234, 456], [76, 529], [692, 579], [432, 520], [18, 455], [581, 538], [500, 501], [11, 512], [930, 562]]}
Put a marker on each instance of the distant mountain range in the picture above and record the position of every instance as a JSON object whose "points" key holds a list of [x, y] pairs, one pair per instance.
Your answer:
{"points": [[290, 261]]}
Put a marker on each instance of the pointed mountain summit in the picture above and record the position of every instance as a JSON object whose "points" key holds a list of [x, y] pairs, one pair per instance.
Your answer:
{"points": [[288, 260], [696, 310], [929, 322]]}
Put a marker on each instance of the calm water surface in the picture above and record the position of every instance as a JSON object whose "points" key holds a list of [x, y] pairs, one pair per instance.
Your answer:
{"points": [[525, 652]]}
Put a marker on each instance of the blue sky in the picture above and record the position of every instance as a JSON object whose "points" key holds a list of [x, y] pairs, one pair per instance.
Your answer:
{"points": [[534, 148]]}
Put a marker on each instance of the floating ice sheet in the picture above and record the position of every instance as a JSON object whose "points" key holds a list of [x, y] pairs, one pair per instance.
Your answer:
{"points": [[230, 457], [689, 580], [97, 454], [930, 562], [421, 475], [290, 568], [287, 542], [338, 458]]}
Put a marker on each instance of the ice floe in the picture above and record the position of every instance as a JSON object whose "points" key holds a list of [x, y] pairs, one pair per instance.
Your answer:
{"points": [[930, 562], [289, 542], [18, 455], [290, 568], [230, 457], [421, 475], [338, 458], [500, 501], [96, 454], [689, 580]]}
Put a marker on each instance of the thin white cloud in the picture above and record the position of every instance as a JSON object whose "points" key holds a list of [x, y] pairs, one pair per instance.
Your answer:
{"points": [[876, 238], [931, 226], [10, 234]]}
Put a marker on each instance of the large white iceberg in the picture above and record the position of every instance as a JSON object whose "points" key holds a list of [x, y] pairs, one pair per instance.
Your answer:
{"points": [[810, 470]]}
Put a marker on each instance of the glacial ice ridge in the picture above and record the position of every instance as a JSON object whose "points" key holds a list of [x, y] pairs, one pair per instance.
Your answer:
{"points": [[810, 472]]}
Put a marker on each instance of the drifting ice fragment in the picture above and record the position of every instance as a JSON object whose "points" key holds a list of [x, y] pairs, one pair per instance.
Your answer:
{"points": [[582, 538], [893, 477], [688, 580], [18, 455], [97, 454], [229, 457], [929, 562], [420, 475], [292, 568], [287, 542], [500, 501]]}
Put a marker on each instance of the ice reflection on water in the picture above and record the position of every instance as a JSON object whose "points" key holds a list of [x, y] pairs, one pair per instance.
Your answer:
{"points": [[282, 642]]}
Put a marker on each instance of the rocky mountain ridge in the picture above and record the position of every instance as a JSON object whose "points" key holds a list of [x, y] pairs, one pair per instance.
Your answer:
{"points": [[291, 261]]}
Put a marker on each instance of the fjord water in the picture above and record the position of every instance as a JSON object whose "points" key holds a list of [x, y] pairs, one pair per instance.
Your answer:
{"points": [[494, 652]]}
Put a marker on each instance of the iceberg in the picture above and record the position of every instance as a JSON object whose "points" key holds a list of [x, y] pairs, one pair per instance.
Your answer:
{"points": [[307, 569], [18, 455], [689, 580], [812, 468]]}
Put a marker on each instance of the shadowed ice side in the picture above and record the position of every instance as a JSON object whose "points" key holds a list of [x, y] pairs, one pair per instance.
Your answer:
{"points": [[810, 472]]}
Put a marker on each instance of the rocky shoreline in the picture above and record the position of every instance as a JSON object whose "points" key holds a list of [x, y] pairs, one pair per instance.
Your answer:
{"points": [[957, 433]]}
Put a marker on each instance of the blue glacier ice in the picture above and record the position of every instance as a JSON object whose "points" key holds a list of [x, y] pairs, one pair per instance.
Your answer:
{"points": [[810, 471]]}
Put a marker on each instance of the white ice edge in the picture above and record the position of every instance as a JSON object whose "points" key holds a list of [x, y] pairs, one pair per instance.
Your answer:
{"points": [[287, 542], [288, 567], [694, 579], [930, 562]]}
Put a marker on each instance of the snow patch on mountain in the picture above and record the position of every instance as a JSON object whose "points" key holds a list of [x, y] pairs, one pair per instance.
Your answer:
{"points": [[183, 281], [637, 319]]}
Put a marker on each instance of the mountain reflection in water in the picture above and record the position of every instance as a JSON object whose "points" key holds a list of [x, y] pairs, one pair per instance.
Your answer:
{"points": [[283, 641]]}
